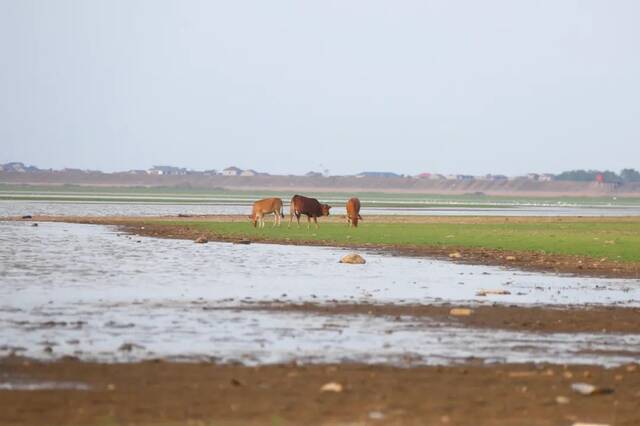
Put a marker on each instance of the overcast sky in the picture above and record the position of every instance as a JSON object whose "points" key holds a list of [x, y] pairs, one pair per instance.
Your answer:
{"points": [[291, 86]]}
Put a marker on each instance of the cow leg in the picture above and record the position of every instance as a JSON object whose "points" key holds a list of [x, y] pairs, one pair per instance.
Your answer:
{"points": [[315, 219], [308, 222]]}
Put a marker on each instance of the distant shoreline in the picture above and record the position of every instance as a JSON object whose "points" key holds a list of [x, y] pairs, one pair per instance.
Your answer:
{"points": [[408, 185]]}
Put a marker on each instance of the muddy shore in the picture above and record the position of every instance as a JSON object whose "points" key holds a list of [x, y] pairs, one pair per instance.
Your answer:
{"points": [[525, 260], [543, 319], [163, 393]]}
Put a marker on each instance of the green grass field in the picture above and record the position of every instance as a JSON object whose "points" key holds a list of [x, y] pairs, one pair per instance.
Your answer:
{"points": [[596, 238]]}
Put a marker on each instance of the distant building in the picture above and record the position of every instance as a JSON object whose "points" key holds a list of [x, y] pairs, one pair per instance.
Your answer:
{"points": [[313, 174], [547, 177], [378, 174], [533, 176], [464, 177], [211, 172], [430, 176], [248, 172], [496, 177], [167, 170], [232, 171], [17, 167]]}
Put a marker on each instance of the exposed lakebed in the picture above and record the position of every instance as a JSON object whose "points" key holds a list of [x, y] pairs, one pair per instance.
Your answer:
{"points": [[96, 293]]}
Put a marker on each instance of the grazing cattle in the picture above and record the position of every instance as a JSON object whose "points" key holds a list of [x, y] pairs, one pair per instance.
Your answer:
{"points": [[309, 207], [265, 207], [353, 212]]}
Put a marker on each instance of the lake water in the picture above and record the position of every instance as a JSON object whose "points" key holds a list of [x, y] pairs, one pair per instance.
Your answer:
{"points": [[63, 208]]}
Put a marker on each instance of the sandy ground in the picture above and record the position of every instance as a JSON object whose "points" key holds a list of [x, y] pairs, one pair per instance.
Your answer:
{"points": [[534, 261], [162, 393]]}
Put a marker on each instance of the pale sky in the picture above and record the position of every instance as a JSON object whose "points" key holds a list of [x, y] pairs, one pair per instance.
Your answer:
{"points": [[291, 86]]}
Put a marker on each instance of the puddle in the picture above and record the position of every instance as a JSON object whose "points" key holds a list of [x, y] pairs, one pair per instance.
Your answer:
{"points": [[31, 385], [181, 332], [90, 292]]}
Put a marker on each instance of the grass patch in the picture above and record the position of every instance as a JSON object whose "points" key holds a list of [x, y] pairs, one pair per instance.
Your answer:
{"points": [[615, 240]]}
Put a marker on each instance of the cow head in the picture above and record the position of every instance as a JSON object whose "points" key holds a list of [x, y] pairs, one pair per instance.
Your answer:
{"points": [[254, 219], [325, 209]]}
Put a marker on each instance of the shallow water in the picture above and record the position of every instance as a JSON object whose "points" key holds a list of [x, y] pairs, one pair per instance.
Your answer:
{"points": [[84, 290], [74, 208], [57, 261], [130, 332]]}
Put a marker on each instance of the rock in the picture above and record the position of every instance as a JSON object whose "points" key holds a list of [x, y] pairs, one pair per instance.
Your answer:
{"points": [[353, 258], [590, 424], [487, 292], [331, 387], [34, 224], [376, 415], [588, 389], [128, 347], [243, 241], [562, 400], [460, 312], [455, 255], [510, 258], [201, 240], [27, 216]]}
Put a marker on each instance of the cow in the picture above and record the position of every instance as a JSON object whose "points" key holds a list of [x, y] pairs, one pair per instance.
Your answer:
{"points": [[353, 212], [309, 207], [265, 207]]}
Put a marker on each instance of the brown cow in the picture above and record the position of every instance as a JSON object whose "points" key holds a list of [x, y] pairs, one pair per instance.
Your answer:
{"points": [[353, 212], [309, 207], [264, 207]]}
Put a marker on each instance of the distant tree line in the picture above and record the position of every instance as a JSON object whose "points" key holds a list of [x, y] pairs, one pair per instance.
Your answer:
{"points": [[625, 176]]}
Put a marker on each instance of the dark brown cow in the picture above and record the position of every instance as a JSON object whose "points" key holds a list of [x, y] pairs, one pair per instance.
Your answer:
{"points": [[353, 212], [309, 207]]}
